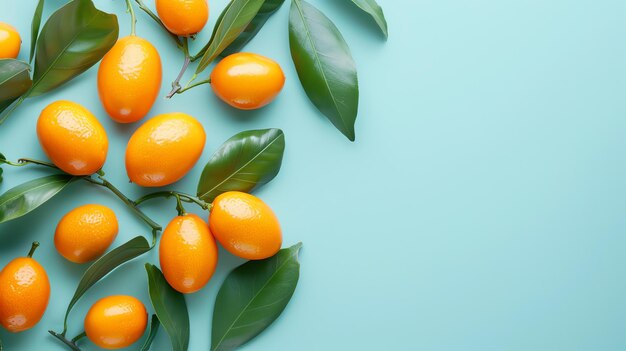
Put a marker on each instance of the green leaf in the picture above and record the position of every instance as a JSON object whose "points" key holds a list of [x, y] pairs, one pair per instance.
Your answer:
{"points": [[252, 297], [324, 65], [154, 328], [2, 158], [73, 39], [266, 11], [34, 28], [3, 106], [105, 265], [231, 23], [372, 7], [26, 197], [243, 163], [170, 307], [14, 81]]}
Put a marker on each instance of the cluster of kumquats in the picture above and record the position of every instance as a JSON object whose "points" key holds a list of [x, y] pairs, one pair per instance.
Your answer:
{"points": [[159, 153]]}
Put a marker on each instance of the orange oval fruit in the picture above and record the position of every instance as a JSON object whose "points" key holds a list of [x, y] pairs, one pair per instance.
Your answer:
{"points": [[24, 293], [183, 17], [72, 138], [129, 79], [85, 233], [164, 149], [245, 226], [247, 81], [187, 253], [116, 321], [10, 41]]}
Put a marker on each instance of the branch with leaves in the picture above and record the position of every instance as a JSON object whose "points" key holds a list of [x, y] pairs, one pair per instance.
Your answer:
{"points": [[59, 51], [319, 51], [244, 162]]}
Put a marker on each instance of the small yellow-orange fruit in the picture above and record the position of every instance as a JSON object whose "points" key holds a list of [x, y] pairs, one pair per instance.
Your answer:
{"points": [[164, 149], [85, 233], [187, 253], [245, 226], [72, 138], [116, 321]]}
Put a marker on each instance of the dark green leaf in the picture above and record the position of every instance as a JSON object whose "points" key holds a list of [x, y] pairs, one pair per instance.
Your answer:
{"points": [[2, 158], [266, 11], [28, 196], [34, 28], [106, 264], [324, 65], [234, 20], [73, 39], [154, 328], [220, 18], [170, 307], [3, 106], [243, 163], [371, 7], [14, 81], [252, 297]]}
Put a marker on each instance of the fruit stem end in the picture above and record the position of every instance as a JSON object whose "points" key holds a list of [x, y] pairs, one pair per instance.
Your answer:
{"points": [[33, 247]]}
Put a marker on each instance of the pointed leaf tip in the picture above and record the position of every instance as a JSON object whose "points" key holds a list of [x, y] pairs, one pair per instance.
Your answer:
{"points": [[324, 65]]}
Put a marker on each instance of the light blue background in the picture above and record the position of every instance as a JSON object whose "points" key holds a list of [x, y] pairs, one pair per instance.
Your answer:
{"points": [[481, 208]]}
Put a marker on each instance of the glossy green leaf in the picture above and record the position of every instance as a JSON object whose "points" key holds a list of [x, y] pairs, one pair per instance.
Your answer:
{"points": [[233, 21], [154, 328], [252, 297], [26, 197], [220, 18], [73, 39], [243, 163], [170, 307], [2, 158], [105, 265], [267, 10], [34, 28], [14, 81], [3, 106], [324, 65], [374, 10]]}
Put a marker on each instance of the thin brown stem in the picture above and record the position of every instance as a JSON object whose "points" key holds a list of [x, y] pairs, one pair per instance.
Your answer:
{"points": [[191, 86], [61, 337], [33, 247], [156, 18], [176, 83]]}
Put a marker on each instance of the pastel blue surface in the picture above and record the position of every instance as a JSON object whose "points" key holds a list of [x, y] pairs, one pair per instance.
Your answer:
{"points": [[481, 207]]}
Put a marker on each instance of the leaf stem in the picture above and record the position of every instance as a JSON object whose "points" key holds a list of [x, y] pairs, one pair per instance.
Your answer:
{"points": [[132, 205], [61, 337], [25, 161], [133, 19], [15, 105], [190, 86], [200, 53], [79, 336], [183, 197], [33, 247], [176, 84], [128, 202], [156, 18], [179, 206]]}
